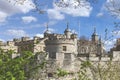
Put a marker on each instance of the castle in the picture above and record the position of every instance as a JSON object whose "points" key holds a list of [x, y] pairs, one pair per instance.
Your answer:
{"points": [[64, 50], [57, 43]]}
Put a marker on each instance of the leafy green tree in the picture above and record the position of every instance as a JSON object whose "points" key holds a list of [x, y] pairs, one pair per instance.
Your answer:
{"points": [[18, 68]]}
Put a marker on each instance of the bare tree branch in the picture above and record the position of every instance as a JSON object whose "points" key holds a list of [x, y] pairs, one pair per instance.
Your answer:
{"points": [[113, 6]]}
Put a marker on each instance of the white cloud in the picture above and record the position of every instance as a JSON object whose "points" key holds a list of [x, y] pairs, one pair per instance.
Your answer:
{"points": [[10, 8], [2, 40], [16, 33], [116, 33], [55, 14], [28, 19], [100, 14], [109, 44], [52, 22], [109, 0], [84, 9], [3, 16], [39, 35], [51, 30], [74, 31], [113, 7]]}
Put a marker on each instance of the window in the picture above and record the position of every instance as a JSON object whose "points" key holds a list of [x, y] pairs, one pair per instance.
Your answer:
{"points": [[67, 59], [52, 55], [64, 48], [67, 56]]}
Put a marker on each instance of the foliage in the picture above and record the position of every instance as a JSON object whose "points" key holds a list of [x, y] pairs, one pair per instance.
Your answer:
{"points": [[61, 73], [82, 74], [108, 70], [17, 68]]}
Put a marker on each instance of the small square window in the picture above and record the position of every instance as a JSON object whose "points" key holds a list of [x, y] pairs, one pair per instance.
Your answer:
{"points": [[52, 55], [64, 48]]}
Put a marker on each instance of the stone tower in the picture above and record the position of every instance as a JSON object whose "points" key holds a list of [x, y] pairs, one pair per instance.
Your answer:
{"points": [[100, 48], [95, 36], [62, 49]]}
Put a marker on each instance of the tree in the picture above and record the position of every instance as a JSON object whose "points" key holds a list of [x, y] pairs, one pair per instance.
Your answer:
{"points": [[109, 70], [19, 68], [37, 5], [113, 6]]}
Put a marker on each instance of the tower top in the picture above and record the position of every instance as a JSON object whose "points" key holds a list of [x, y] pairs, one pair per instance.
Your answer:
{"points": [[47, 29], [94, 29], [67, 25], [100, 39], [67, 29], [94, 33], [95, 36], [47, 26]]}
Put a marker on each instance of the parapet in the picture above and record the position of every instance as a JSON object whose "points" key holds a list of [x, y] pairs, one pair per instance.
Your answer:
{"points": [[60, 41], [118, 41], [61, 36], [16, 40], [95, 59], [73, 36], [25, 38], [36, 38], [1, 43], [10, 43]]}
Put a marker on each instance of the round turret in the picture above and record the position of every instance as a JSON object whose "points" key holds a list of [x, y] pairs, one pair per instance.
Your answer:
{"points": [[67, 32]]}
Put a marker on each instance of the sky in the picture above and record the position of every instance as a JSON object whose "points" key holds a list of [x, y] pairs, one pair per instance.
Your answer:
{"points": [[21, 19]]}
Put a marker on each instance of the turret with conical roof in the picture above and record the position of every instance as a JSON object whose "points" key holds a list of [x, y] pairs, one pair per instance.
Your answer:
{"points": [[67, 31], [95, 36]]}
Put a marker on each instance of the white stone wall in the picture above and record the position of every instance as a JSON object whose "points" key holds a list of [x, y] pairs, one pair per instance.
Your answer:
{"points": [[116, 55], [6, 48]]}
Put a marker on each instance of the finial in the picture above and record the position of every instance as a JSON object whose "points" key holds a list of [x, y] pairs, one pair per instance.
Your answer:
{"points": [[100, 38], [46, 26], [94, 29], [67, 25], [100, 41]]}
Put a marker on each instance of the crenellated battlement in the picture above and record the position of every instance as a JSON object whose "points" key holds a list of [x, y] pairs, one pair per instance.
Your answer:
{"points": [[95, 59], [61, 41], [2, 43], [61, 37]]}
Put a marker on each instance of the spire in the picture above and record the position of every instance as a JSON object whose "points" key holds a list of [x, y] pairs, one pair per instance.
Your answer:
{"points": [[67, 25], [95, 36], [100, 40], [46, 26], [94, 30], [67, 29], [94, 33], [47, 29]]}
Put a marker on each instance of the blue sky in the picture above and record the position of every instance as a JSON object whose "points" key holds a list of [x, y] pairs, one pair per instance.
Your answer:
{"points": [[18, 20]]}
